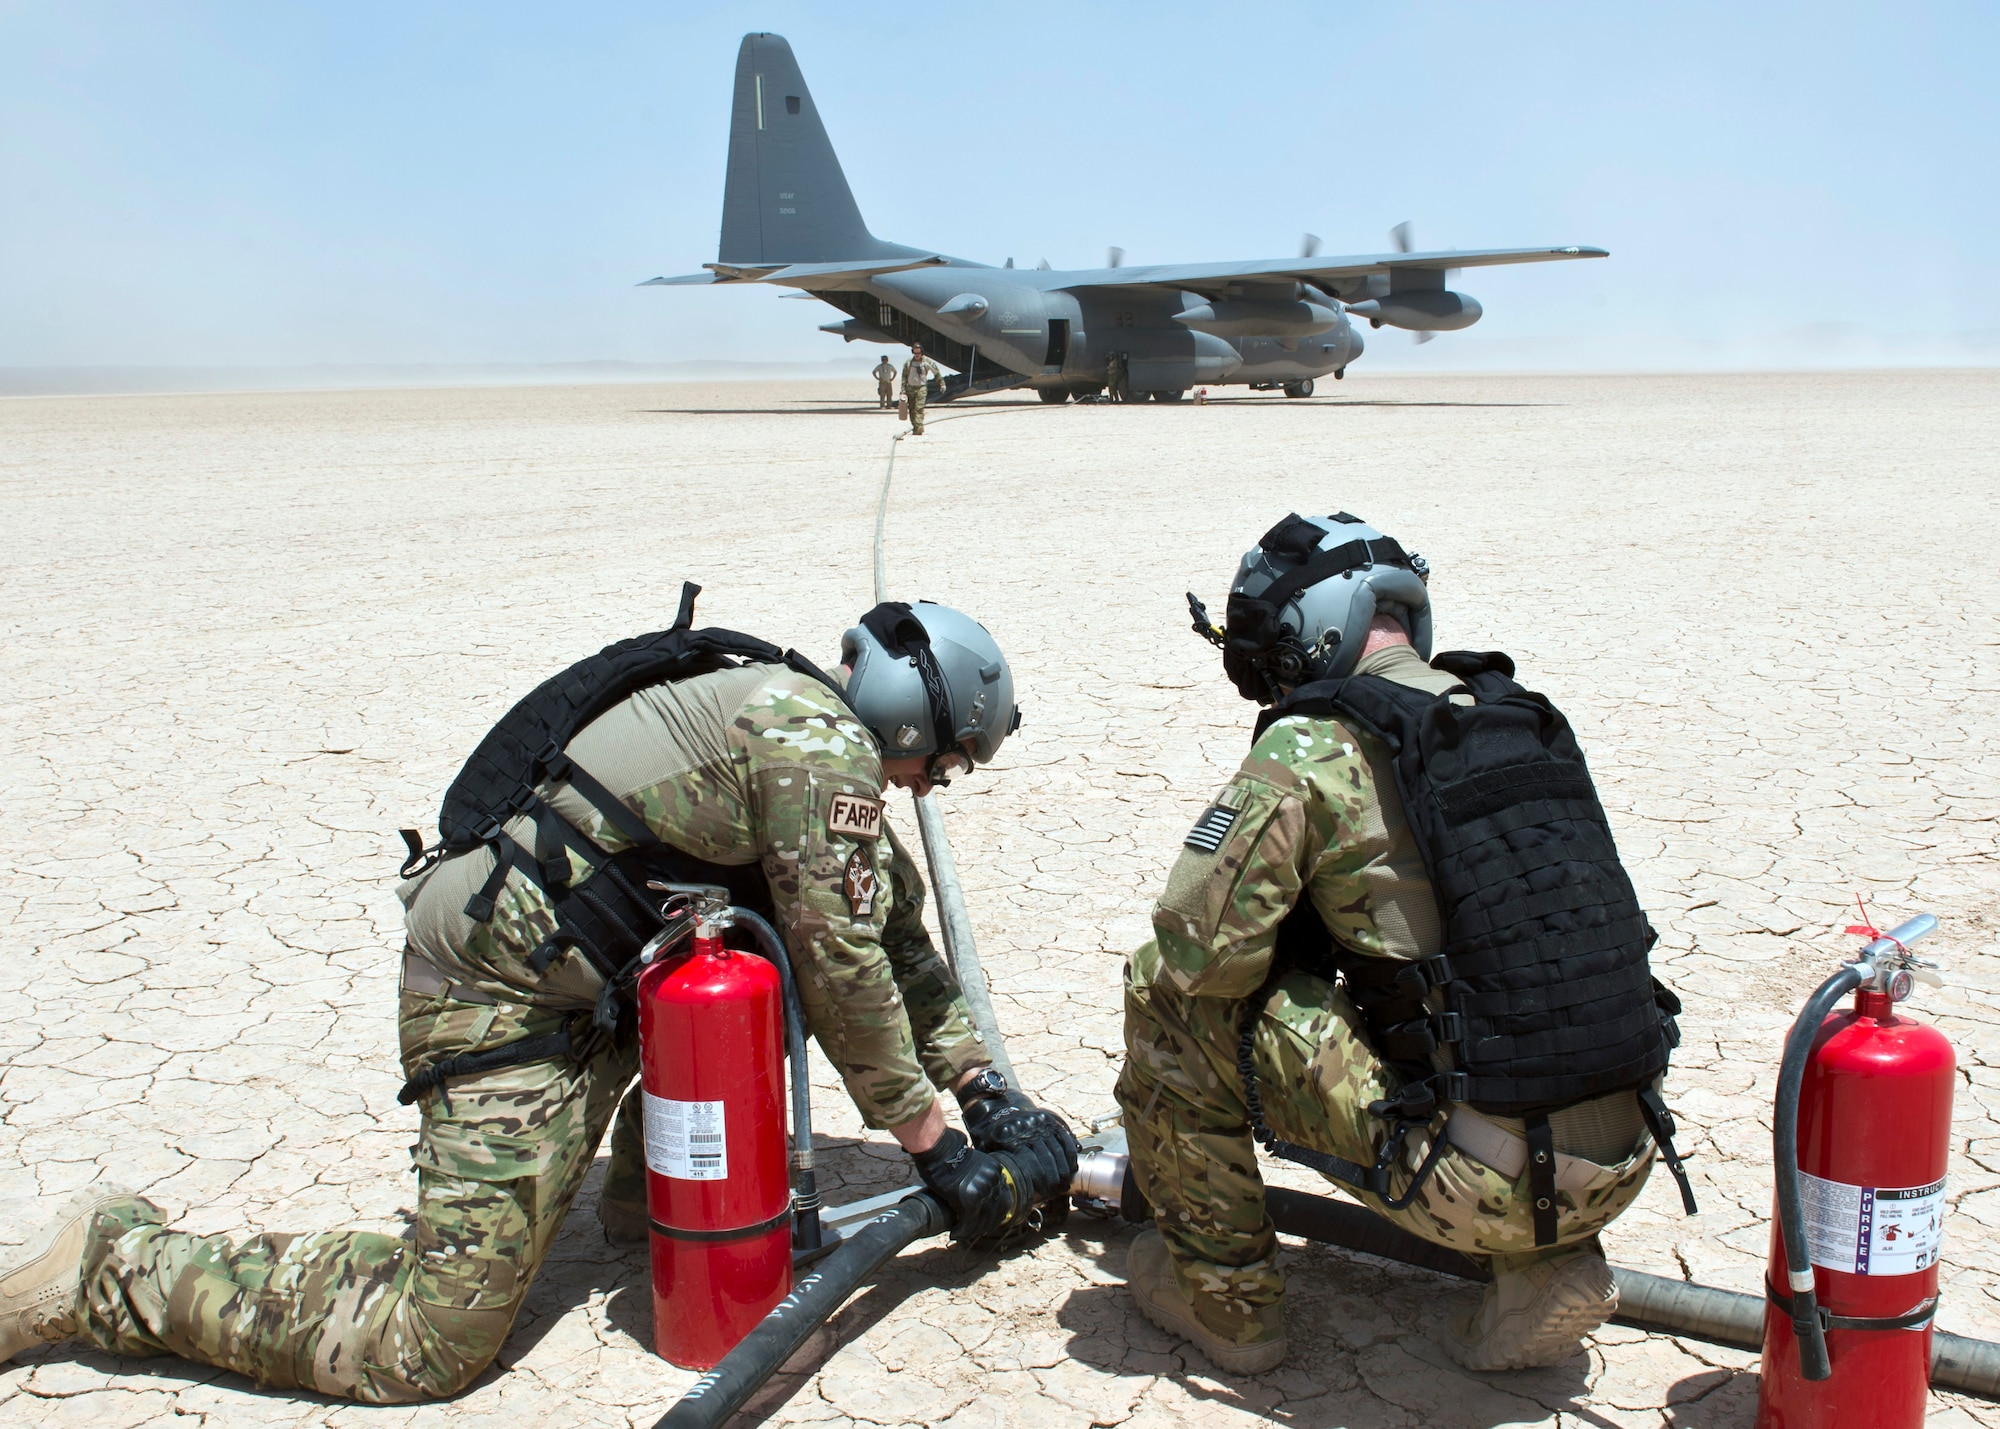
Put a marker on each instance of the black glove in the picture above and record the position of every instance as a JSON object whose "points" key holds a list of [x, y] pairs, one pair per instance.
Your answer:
{"points": [[1000, 1119], [986, 1195]]}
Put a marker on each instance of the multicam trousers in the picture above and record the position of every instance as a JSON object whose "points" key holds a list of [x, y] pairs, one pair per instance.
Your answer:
{"points": [[384, 1319], [1186, 1123]]}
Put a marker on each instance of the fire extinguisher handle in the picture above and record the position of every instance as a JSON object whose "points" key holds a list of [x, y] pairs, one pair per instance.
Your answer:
{"points": [[1813, 1361]]}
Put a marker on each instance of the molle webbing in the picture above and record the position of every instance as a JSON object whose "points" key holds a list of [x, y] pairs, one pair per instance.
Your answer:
{"points": [[499, 780], [608, 913], [1542, 993]]}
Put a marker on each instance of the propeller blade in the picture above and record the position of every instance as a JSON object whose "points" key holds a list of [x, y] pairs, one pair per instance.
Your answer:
{"points": [[1309, 245], [1421, 337], [1043, 266], [1115, 258], [1403, 235]]}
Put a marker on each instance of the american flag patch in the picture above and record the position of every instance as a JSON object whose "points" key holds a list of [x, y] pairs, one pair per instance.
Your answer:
{"points": [[1211, 829]]}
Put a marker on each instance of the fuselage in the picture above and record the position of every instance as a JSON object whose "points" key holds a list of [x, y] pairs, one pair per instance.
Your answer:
{"points": [[1060, 328]]}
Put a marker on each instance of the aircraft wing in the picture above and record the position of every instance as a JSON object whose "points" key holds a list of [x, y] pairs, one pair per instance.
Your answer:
{"points": [[797, 275], [1199, 277]]}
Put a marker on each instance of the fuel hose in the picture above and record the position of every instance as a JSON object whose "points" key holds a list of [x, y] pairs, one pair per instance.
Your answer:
{"points": [[953, 922], [777, 1337]]}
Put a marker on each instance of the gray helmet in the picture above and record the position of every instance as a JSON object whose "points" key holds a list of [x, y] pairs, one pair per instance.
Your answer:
{"points": [[926, 679], [1301, 603]]}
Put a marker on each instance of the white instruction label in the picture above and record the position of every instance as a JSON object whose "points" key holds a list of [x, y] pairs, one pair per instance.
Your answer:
{"points": [[1873, 1230], [685, 1140]]}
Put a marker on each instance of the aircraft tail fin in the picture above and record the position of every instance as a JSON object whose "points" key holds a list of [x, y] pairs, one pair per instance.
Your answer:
{"points": [[785, 199]]}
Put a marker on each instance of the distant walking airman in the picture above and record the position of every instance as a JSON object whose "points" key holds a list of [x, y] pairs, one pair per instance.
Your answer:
{"points": [[918, 373]]}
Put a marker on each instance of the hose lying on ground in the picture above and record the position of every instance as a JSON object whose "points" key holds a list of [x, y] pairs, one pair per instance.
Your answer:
{"points": [[724, 1389], [1646, 1302]]}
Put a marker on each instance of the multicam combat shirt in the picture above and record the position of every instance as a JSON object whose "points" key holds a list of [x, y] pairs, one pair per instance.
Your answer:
{"points": [[754, 765]]}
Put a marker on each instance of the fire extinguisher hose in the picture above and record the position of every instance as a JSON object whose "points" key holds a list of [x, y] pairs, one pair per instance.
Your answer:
{"points": [[805, 1180], [1813, 1361], [724, 1389]]}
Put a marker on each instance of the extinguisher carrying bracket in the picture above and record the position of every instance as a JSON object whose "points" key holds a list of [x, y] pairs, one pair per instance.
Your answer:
{"points": [[1886, 966]]}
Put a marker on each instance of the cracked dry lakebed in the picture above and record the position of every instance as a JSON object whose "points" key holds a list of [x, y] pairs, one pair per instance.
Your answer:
{"points": [[249, 636]]}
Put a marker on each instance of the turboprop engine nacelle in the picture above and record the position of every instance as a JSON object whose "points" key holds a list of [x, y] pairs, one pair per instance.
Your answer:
{"points": [[1247, 318], [1436, 311]]}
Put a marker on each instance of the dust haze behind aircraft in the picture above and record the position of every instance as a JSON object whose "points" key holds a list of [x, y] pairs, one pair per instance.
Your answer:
{"points": [[789, 219]]}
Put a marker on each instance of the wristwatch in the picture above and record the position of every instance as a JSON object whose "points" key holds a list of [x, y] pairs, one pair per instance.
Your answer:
{"points": [[987, 1082]]}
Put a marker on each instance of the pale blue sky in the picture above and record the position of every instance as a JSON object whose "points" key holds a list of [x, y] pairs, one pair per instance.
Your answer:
{"points": [[372, 183]]}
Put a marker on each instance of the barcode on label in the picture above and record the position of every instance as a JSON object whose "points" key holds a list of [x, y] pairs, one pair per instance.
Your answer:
{"points": [[686, 1140]]}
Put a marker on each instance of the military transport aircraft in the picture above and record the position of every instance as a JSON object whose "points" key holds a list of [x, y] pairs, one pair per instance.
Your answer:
{"points": [[788, 218]]}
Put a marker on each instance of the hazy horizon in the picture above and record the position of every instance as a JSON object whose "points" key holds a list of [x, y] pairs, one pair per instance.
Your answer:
{"points": [[230, 186]]}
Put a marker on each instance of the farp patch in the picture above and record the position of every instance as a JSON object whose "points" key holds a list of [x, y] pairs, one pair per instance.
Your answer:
{"points": [[1210, 829], [861, 884], [855, 816]]}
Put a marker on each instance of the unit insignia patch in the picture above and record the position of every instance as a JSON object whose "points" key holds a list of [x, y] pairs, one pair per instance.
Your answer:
{"points": [[1210, 829], [855, 816], [861, 884]]}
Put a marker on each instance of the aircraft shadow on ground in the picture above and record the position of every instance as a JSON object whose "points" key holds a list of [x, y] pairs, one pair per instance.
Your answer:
{"points": [[939, 412]]}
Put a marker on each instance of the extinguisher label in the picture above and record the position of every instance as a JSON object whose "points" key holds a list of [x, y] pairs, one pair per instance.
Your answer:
{"points": [[686, 1140], [1873, 1230]]}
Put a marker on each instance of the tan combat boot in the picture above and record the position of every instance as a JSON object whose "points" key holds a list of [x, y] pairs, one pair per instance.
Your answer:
{"points": [[624, 1226], [41, 1288], [1151, 1276], [1536, 1312]]}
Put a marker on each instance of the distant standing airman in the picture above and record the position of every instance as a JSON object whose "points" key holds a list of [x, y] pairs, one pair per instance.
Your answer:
{"points": [[1114, 378], [918, 373], [885, 382]]}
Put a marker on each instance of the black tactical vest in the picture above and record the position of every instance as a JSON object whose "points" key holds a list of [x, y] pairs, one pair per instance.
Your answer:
{"points": [[1542, 996], [610, 914]]}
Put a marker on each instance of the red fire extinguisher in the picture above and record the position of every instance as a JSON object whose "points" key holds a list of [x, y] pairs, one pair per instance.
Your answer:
{"points": [[711, 1040], [1863, 1131]]}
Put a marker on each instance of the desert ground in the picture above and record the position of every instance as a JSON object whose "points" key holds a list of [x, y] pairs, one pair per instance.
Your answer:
{"points": [[251, 636]]}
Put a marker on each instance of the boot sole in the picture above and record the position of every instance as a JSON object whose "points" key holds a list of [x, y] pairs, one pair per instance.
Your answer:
{"points": [[1579, 1311]]}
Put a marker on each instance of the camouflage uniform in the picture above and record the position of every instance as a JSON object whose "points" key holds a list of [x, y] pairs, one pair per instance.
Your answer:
{"points": [[1315, 813], [735, 767], [885, 383], [1114, 377], [918, 373]]}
